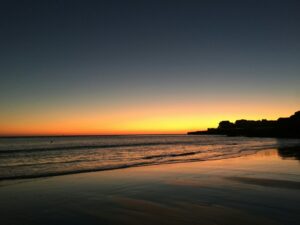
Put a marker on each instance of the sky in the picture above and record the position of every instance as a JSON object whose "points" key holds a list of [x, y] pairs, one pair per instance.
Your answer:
{"points": [[140, 67]]}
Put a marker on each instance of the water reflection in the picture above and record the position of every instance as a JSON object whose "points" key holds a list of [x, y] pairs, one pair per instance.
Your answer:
{"points": [[289, 152]]}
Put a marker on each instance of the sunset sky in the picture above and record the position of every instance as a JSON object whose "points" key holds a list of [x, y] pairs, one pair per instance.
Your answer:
{"points": [[138, 67]]}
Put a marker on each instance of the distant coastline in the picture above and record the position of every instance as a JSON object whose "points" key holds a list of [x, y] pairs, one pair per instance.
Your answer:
{"points": [[281, 128]]}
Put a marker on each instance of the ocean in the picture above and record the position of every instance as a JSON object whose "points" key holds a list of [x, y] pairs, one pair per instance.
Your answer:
{"points": [[32, 157]]}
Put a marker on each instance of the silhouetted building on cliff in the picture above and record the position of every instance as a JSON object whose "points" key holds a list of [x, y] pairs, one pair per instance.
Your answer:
{"points": [[283, 127]]}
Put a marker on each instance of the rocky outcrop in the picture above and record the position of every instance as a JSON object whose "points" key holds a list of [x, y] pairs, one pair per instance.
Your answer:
{"points": [[283, 127]]}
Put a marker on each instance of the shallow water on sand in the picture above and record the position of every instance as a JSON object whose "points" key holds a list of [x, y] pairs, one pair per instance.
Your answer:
{"points": [[50, 156], [261, 188]]}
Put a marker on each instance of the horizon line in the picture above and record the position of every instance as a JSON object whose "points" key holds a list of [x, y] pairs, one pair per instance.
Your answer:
{"points": [[86, 135]]}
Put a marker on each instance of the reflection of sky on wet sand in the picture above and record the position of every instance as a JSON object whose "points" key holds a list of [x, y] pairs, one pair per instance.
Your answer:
{"points": [[255, 189]]}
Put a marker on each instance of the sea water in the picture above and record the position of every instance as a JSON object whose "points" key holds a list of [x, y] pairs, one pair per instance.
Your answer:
{"points": [[31, 157]]}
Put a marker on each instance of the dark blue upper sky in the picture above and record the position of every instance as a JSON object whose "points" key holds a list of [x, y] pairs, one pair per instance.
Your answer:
{"points": [[111, 52]]}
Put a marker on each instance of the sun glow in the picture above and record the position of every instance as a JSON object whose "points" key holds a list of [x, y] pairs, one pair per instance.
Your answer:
{"points": [[144, 119]]}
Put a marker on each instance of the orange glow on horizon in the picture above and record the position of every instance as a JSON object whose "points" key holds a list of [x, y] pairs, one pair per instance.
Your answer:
{"points": [[146, 119]]}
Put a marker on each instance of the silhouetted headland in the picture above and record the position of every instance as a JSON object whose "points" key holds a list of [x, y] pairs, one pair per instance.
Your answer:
{"points": [[281, 128]]}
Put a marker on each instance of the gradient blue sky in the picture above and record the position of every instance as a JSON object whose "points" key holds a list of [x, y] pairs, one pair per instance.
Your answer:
{"points": [[120, 66]]}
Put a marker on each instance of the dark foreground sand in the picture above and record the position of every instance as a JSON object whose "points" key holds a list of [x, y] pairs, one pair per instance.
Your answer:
{"points": [[257, 189]]}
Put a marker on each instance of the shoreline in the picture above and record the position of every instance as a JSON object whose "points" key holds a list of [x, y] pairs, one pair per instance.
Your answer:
{"points": [[66, 173], [261, 188]]}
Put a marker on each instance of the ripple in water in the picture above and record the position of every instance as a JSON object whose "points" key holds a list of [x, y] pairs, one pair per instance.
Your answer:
{"points": [[50, 156]]}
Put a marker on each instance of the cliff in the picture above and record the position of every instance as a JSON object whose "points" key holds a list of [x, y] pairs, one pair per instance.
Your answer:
{"points": [[283, 127]]}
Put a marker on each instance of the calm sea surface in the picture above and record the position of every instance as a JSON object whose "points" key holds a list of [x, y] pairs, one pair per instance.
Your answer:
{"points": [[50, 156]]}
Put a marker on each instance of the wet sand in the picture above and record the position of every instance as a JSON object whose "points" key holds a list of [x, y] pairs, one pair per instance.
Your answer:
{"points": [[258, 189]]}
